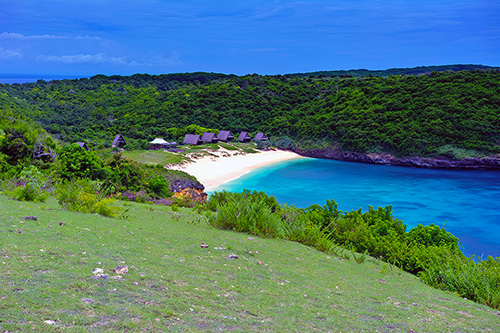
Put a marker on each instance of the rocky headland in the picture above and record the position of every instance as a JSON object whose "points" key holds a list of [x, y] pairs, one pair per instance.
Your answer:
{"points": [[440, 162]]}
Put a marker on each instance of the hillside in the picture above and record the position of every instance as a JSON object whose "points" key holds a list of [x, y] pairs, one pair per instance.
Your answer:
{"points": [[175, 284], [395, 71], [431, 114]]}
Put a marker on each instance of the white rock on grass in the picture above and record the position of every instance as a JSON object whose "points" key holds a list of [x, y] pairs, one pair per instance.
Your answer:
{"points": [[98, 270]]}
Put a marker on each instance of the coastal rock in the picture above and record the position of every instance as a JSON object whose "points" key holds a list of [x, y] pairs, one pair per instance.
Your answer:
{"points": [[415, 162], [193, 194], [180, 184]]}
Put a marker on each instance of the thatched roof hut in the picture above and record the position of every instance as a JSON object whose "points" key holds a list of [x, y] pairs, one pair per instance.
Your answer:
{"points": [[225, 136], [192, 139], [244, 137], [83, 145], [157, 143], [260, 137], [209, 137], [119, 141]]}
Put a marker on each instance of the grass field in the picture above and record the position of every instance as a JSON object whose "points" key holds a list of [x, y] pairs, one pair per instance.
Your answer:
{"points": [[46, 279], [161, 157]]}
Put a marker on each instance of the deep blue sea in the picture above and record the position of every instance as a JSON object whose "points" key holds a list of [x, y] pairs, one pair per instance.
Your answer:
{"points": [[467, 203], [25, 78]]}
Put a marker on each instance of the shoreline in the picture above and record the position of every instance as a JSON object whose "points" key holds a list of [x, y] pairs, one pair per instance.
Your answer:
{"points": [[213, 171], [412, 162]]}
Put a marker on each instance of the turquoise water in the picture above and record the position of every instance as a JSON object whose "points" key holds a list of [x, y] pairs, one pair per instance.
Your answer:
{"points": [[467, 203]]}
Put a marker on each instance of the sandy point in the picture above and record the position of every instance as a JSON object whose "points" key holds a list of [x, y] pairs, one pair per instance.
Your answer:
{"points": [[213, 171]]}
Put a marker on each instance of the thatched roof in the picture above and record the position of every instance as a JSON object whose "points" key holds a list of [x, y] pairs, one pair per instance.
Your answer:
{"points": [[244, 137], [192, 139], [260, 137], [225, 136], [83, 145], [158, 141], [119, 141], [209, 137]]}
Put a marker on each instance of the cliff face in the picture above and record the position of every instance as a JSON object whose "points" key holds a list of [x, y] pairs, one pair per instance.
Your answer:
{"points": [[416, 162]]}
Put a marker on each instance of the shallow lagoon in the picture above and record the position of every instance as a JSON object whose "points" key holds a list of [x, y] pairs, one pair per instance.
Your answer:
{"points": [[466, 202]]}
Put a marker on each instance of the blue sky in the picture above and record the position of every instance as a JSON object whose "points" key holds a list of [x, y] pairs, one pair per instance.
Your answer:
{"points": [[243, 37]]}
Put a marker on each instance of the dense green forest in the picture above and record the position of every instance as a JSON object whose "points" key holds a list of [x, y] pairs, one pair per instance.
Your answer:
{"points": [[395, 71], [406, 115]]}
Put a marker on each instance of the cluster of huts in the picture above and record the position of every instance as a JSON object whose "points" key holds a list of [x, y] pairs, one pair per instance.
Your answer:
{"points": [[208, 137], [223, 136], [189, 139]]}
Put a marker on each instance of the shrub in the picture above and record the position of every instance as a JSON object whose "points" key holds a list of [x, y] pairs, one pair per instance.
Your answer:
{"points": [[87, 196], [253, 217], [159, 187], [76, 162], [32, 188], [434, 235]]}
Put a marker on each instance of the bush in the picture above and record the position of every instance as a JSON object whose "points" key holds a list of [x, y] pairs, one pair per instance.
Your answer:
{"points": [[159, 187], [254, 217], [32, 185], [87, 196], [76, 162]]}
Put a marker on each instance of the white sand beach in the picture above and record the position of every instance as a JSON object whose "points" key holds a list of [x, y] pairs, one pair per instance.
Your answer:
{"points": [[213, 171]]}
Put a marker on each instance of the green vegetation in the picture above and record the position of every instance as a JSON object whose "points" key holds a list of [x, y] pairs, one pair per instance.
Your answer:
{"points": [[453, 114], [395, 71], [173, 284], [402, 114], [428, 251]]}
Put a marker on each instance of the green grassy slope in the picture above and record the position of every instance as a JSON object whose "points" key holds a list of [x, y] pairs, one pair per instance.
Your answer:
{"points": [[174, 284]]}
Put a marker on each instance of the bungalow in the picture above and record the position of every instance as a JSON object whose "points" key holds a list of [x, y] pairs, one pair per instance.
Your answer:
{"points": [[192, 139], [225, 136], [158, 143], [83, 145], [260, 137], [119, 141], [209, 137], [244, 137]]}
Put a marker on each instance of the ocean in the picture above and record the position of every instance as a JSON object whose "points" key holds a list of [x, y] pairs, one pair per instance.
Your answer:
{"points": [[26, 78], [466, 203]]}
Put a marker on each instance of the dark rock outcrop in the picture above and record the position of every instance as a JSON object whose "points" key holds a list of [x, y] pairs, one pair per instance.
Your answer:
{"points": [[416, 162], [180, 184]]}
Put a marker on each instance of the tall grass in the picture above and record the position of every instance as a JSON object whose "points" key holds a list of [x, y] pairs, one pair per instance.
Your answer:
{"points": [[259, 214], [476, 281], [87, 196]]}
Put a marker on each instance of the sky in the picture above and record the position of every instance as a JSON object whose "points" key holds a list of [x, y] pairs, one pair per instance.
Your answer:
{"points": [[125, 37]]}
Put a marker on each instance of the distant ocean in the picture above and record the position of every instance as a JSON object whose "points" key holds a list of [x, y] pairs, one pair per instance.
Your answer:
{"points": [[25, 78], [467, 203]]}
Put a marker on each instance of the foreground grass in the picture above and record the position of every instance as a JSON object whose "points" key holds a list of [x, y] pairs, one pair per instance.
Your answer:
{"points": [[174, 284]]}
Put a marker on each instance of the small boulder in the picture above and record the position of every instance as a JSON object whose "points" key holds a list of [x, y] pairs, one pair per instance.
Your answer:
{"points": [[101, 277], [98, 270], [120, 270], [204, 246]]}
